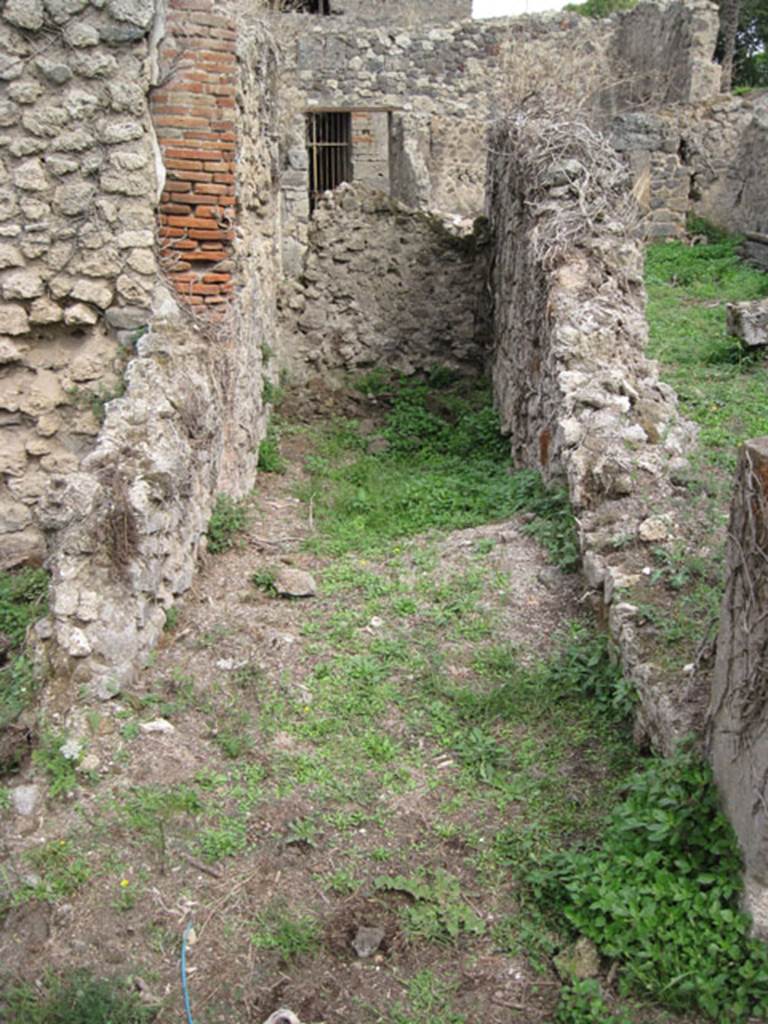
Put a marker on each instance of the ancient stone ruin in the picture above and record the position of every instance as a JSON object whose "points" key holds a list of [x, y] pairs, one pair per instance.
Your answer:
{"points": [[197, 197]]}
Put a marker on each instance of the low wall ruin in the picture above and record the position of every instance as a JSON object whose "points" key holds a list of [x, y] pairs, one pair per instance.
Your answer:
{"points": [[576, 394]]}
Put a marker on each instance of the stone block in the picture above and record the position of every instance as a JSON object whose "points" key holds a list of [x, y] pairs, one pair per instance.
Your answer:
{"points": [[80, 315], [92, 290], [28, 14], [22, 284], [25, 547], [30, 176], [748, 321], [13, 319]]}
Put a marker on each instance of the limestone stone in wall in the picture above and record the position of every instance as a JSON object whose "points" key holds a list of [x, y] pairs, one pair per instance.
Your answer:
{"points": [[402, 12], [383, 285], [575, 392]]}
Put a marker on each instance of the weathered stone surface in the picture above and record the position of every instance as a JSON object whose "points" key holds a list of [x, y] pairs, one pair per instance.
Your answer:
{"points": [[21, 284], [137, 12], [25, 547], [26, 799], [45, 311], [127, 317], [27, 14], [30, 176], [426, 308], [73, 199], [91, 290], [13, 319], [295, 583], [577, 397], [10, 256], [748, 321], [736, 711], [80, 315]]}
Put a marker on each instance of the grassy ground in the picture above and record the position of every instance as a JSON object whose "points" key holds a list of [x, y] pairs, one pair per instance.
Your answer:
{"points": [[435, 746], [723, 391], [391, 753]]}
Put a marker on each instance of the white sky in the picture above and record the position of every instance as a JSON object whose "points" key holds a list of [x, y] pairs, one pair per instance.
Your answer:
{"points": [[499, 8]]}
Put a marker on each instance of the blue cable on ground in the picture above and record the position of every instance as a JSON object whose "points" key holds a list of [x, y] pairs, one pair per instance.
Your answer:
{"points": [[184, 988]]}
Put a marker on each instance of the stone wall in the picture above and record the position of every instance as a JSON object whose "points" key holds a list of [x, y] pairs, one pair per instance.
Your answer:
{"points": [[385, 286], [705, 158], [77, 266], [123, 413], [442, 85], [726, 153], [402, 12], [576, 394]]}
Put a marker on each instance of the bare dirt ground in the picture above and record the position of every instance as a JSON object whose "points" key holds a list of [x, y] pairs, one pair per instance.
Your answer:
{"points": [[310, 783]]}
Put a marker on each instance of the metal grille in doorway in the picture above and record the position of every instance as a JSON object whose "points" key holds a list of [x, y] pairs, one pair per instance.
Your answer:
{"points": [[329, 142]]}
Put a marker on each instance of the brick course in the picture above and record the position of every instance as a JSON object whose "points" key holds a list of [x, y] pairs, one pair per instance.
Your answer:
{"points": [[192, 115]]}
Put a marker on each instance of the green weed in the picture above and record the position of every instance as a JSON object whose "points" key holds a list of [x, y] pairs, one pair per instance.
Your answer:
{"points": [[437, 913], [264, 579], [60, 770], [582, 1003], [446, 468], [429, 999], [62, 868], [228, 518], [270, 459], [23, 600], [77, 997], [226, 838], [290, 936], [661, 895]]}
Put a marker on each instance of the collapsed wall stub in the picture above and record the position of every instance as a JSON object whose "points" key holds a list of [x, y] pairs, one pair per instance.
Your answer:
{"points": [[382, 285], [94, 330], [575, 392], [737, 714]]}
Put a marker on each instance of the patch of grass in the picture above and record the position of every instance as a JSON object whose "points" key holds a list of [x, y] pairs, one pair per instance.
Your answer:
{"points": [[77, 997], [228, 518], [446, 467], [720, 389], [62, 868], [430, 998], [60, 770], [270, 459], [150, 812], [582, 1002], [264, 579], [660, 894], [288, 935], [437, 913], [225, 838], [23, 600]]}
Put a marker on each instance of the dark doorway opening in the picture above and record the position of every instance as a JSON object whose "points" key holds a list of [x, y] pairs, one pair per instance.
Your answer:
{"points": [[329, 144]]}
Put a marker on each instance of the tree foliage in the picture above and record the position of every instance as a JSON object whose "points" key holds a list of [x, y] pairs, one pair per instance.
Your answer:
{"points": [[750, 42]]}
